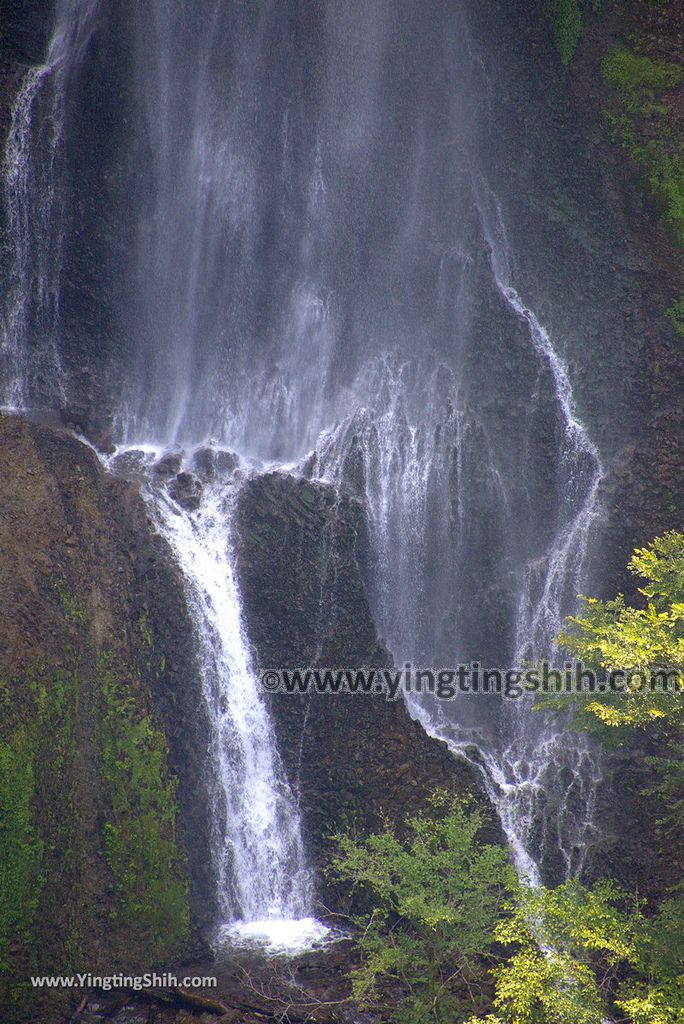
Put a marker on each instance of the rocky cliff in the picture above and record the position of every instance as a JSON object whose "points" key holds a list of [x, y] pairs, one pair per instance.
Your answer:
{"points": [[103, 832], [567, 145], [100, 723], [103, 844], [356, 760]]}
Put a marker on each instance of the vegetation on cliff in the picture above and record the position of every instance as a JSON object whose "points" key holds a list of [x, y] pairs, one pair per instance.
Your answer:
{"points": [[435, 920], [641, 107], [21, 848], [566, 23], [42, 848], [37, 746], [140, 833], [436, 928], [643, 640], [93, 873], [435, 895], [642, 124]]}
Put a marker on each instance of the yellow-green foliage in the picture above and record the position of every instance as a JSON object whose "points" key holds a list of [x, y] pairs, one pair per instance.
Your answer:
{"points": [[570, 944], [36, 744], [556, 935], [441, 908], [611, 634], [73, 609], [435, 897], [575, 955], [140, 835], [639, 79]]}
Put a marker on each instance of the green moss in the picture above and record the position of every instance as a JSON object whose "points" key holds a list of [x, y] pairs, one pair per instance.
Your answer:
{"points": [[73, 609], [637, 78], [566, 22], [145, 628], [140, 835], [640, 122], [51, 774], [21, 848], [676, 314], [667, 183], [37, 838]]}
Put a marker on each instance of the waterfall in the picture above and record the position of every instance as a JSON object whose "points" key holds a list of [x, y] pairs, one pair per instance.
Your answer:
{"points": [[316, 272], [262, 880], [263, 884], [551, 584], [31, 371], [541, 778]]}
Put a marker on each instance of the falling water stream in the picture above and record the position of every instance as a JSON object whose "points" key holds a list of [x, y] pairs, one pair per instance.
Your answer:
{"points": [[33, 180], [319, 275], [262, 882]]}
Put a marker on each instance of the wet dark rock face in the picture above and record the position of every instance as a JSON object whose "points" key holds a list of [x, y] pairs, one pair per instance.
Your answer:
{"points": [[186, 489], [354, 760], [83, 577], [300, 546], [24, 30], [168, 465], [88, 589], [593, 255], [211, 462]]}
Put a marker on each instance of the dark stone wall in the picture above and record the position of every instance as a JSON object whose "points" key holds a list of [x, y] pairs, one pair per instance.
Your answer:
{"points": [[592, 251], [355, 761], [83, 578], [300, 547], [24, 30]]}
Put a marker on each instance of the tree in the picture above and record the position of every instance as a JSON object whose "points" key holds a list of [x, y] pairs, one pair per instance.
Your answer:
{"points": [[613, 635], [581, 954], [648, 641], [434, 895], [442, 907]]}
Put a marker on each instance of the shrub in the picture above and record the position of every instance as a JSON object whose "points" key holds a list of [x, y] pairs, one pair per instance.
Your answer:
{"points": [[435, 897]]}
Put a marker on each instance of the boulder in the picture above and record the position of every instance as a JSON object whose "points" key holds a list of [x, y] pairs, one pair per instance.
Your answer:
{"points": [[186, 489], [210, 463]]}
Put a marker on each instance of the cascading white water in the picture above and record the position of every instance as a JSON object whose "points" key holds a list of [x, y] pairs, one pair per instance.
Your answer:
{"points": [[527, 770], [551, 583], [262, 880], [319, 276], [541, 778], [30, 363]]}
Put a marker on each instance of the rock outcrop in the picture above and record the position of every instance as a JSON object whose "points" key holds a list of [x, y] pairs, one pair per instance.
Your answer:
{"points": [[101, 728], [355, 760]]}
